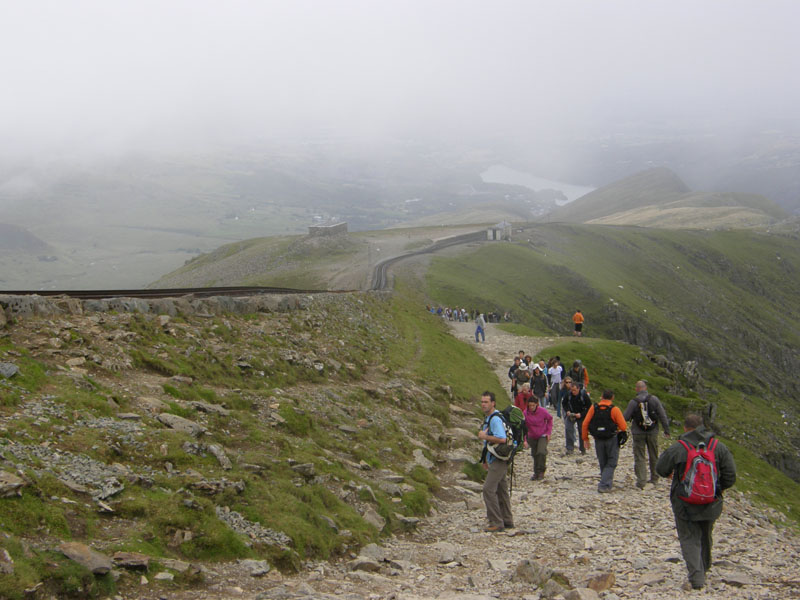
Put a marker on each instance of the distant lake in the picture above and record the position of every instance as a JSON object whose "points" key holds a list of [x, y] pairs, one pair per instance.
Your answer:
{"points": [[504, 174]]}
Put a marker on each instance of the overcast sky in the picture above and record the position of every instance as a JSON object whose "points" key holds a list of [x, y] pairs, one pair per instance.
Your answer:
{"points": [[111, 74]]}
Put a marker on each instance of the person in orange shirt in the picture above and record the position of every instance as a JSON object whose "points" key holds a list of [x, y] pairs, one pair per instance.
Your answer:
{"points": [[578, 319], [606, 424]]}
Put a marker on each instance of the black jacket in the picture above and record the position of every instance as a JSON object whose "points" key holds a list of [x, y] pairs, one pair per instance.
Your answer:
{"points": [[673, 461], [580, 403]]}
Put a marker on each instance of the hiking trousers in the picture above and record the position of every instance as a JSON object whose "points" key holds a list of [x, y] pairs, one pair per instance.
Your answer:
{"points": [[645, 446], [479, 330], [495, 495], [539, 454], [569, 433], [607, 456], [554, 398], [695, 539]]}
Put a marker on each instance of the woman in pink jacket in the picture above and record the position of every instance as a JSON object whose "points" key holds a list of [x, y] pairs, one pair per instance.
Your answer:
{"points": [[540, 425]]}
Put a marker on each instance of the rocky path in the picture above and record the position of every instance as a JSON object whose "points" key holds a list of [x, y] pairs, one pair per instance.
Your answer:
{"points": [[624, 540]]}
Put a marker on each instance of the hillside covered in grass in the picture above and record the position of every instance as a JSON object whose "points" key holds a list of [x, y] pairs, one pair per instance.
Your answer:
{"points": [[284, 436], [728, 300], [658, 198]]}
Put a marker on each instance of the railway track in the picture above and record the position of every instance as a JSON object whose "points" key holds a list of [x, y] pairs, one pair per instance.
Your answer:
{"points": [[380, 281], [171, 292]]}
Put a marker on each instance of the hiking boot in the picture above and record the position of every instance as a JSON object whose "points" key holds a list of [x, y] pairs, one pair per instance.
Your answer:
{"points": [[688, 586], [534, 477], [508, 525], [493, 529], [640, 485], [583, 451], [604, 490]]}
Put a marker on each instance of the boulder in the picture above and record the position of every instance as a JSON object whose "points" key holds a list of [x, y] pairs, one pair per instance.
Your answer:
{"points": [[307, 470], [581, 594], [221, 457], [532, 572], [131, 560], [97, 563], [10, 485], [364, 563], [180, 424], [552, 588], [421, 460], [446, 552], [6, 562], [601, 582], [209, 408], [374, 519], [256, 568], [153, 405], [738, 579], [374, 552], [8, 370]]}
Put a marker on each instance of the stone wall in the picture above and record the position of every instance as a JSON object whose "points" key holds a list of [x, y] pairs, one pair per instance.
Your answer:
{"points": [[22, 306]]}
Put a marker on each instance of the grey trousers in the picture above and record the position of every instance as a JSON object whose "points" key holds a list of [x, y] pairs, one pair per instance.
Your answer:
{"points": [[539, 454], [607, 456], [495, 495], [695, 539], [569, 433], [645, 446]]}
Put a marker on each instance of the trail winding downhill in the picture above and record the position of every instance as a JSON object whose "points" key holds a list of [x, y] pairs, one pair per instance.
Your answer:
{"points": [[562, 523]]}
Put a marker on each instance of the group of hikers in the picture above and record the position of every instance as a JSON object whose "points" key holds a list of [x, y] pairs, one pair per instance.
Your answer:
{"points": [[699, 465], [462, 315]]}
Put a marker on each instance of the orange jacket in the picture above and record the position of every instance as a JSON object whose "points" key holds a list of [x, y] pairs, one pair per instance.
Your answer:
{"points": [[616, 414], [577, 318]]}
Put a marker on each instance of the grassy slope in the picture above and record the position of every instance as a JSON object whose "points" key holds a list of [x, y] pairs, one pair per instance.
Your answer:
{"points": [[379, 335], [730, 300], [658, 198]]}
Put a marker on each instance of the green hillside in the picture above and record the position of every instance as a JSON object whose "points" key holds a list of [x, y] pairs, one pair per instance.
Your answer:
{"points": [[658, 198], [728, 300]]}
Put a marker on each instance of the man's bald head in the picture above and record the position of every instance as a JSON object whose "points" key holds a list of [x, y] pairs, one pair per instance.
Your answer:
{"points": [[641, 386]]}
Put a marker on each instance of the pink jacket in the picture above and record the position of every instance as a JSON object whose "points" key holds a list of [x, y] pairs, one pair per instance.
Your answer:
{"points": [[539, 422]]}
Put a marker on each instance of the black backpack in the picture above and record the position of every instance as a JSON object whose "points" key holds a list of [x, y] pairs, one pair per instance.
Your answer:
{"points": [[602, 426], [644, 407]]}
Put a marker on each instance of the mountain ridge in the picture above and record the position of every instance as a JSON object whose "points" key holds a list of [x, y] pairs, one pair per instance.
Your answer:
{"points": [[659, 198]]}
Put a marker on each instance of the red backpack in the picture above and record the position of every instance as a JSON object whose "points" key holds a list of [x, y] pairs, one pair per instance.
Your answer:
{"points": [[698, 484]]}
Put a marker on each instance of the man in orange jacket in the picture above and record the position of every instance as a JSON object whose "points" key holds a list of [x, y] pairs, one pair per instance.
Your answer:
{"points": [[605, 421], [577, 318]]}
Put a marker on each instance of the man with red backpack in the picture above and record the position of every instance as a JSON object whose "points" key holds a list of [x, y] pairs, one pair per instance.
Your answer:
{"points": [[701, 467]]}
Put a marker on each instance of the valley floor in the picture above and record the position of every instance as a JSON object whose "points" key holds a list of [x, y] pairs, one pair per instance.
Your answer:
{"points": [[562, 523]]}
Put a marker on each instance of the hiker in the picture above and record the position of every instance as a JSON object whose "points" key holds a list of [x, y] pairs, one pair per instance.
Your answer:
{"points": [[579, 374], [578, 319], [539, 423], [605, 421], [554, 370], [575, 405], [645, 411], [480, 323], [523, 397], [495, 487], [539, 385], [512, 375], [695, 522], [522, 374]]}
